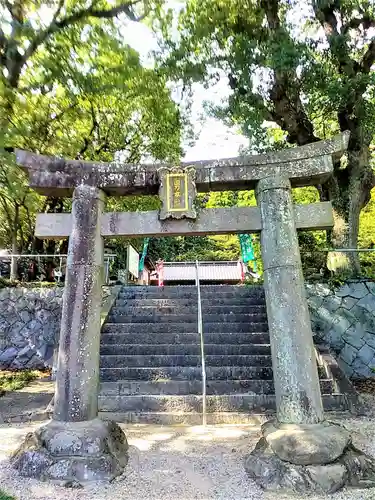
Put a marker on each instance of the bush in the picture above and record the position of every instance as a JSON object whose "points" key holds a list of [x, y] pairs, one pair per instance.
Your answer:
{"points": [[5, 496]]}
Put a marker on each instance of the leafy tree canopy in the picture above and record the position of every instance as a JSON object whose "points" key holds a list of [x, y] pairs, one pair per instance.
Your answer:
{"points": [[81, 93], [298, 71]]}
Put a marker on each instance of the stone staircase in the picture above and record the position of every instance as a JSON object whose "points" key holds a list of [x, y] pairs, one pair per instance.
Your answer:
{"points": [[151, 364]]}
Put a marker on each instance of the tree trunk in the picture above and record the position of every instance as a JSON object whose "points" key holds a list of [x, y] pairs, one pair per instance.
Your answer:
{"points": [[349, 191], [361, 183], [14, 260]]}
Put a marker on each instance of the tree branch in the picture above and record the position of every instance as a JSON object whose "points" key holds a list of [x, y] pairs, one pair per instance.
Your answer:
{"points": [[288, 111], [3, 40], [366, 21], [78, 16], [3, 202], [325, 13], [58, 10], [369, 57], [86, 140]]}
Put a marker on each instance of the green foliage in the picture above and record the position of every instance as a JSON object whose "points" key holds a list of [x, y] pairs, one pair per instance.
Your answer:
{"points": [[297, 71], [367, 237], [6, 283], [5, 496], [83, 94], [13, 381]]}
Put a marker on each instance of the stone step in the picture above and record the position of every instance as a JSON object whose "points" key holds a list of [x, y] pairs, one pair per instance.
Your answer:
{"points": [[186, 387], [191, 294], [214, 301], [187, 318], [334, 402], [193, 419], [185, 373], [145, 338], [222, 327], [119, 361], [186, 404], [190, 309], [184, 349], [183, 289], [193, 403]]}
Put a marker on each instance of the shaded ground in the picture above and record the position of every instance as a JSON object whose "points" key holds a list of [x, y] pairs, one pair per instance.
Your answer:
{"points": [[165, 463], [183, 463], [28, 403], [365, 386]]}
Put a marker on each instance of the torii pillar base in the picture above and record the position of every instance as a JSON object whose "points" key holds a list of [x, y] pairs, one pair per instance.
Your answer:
{"points": [[308, 458], [73, 453]]}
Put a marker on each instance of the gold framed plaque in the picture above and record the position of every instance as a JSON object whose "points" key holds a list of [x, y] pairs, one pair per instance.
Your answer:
{"points": [[177, 192]]}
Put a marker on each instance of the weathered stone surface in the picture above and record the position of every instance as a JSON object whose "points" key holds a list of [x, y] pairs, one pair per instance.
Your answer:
{"points": [[210, 221], [353, 289], [325, 317], [309, 164], [328, 478], [350, 468], [360, 467], [352, 324], [366, 354], [309, 444], [360, 369], [367, 302], [347, 369], [315, 301], [343, 291], [30, 320], [297, 389], [79, 451], [332, 303], [349, 353], [39, 335], [77, 380], [349, 302], [369, 338], [339, 327], [334, 338], [354, 336], [321, 289], [358, 290], [7, 356]]}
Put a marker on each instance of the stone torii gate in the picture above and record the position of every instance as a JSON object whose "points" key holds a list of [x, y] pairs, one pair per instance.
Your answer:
{"points": [[76, 445]]}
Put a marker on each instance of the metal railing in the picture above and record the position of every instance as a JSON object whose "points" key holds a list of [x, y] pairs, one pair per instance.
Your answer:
{"points": [[59, 257], [201, 336]]}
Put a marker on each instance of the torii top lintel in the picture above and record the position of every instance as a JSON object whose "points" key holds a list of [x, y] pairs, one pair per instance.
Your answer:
{"points": [[305, 165]]}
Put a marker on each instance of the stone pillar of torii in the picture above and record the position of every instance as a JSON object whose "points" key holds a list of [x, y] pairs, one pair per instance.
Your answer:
{"points": [[299, 450]]}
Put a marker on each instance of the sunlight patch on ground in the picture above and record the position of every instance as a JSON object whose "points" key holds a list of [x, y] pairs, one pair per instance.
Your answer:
{"points": [[11, 436]]}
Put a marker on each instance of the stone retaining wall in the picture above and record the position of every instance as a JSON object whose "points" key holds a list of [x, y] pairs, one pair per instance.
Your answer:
{"points": [[30, 326], [344, 320]]}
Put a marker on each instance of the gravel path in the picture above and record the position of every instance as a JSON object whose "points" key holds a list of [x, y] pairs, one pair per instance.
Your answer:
{"points": [[181, 463]]}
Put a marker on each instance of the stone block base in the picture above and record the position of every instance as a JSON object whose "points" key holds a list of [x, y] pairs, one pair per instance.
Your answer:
{"points": [[308, 458], [73, 452]]}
